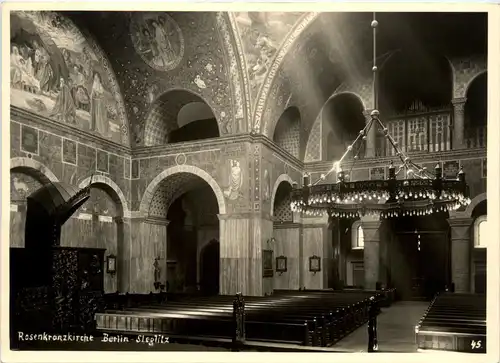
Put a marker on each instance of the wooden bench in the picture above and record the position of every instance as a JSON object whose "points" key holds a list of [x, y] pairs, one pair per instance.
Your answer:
{"points": [[314, 319], [454, 322]]}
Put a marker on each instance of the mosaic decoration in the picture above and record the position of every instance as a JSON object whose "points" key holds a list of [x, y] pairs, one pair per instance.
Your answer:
{"points": [[157, 39], [29, 140], [102, 161], [69, 154], [135, 170], [59, 73], [262, 34], [21, 186], [126, 168]]}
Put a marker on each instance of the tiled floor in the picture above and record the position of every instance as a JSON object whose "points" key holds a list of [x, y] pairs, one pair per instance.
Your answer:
{"points": [[395, 330]]}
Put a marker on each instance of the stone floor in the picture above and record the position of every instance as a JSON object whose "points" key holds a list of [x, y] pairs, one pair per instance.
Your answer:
{"points": [[396, 330]]}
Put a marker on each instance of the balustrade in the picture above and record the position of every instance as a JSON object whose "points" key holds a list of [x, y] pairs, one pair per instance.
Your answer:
{"points": [[476, 137]]}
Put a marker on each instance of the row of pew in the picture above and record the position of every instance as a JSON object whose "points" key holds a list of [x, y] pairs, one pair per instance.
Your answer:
{"points": [[454, 322], [312, 318]]}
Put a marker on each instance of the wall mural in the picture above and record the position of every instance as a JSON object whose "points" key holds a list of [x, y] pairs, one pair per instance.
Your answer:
{"points": [[235, 180], [157, 39], [262, 34], [56, 73]]}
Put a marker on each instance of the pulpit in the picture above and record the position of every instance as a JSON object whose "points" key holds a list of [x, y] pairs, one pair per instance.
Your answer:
{"points": [[54, 288]]}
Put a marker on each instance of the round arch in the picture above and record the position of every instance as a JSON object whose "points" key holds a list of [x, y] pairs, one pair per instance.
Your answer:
{"points": [[474, 203], [472, 79], [292, 113], [155, 183], [108, 184], [348, 93], [154, 125], [281, 178], [44, 173]]}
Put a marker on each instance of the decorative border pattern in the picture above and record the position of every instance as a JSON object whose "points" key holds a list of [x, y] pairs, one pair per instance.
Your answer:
{"points": [[242, 104]]}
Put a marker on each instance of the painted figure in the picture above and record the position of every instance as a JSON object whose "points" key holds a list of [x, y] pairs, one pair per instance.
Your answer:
{"points": [[64, 108], [98, 113], [235, 181]]}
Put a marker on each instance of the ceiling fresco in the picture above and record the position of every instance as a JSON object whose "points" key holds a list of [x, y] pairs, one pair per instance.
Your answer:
{"points": [[262, 34]]}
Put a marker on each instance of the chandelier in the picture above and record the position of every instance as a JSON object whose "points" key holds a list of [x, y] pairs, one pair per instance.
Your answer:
{"points": [[409, 190]]}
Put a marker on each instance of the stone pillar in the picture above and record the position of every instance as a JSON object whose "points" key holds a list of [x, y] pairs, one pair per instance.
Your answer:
{"points": [[336, 245], [460, 253], [242, 238], [371, 254], [316, 241], [458, 123], [371, 137], [123, 253], [148, 241], [287, 236]]}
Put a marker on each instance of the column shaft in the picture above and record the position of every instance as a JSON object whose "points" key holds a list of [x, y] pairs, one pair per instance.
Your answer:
{"points": [[458, 123], [371, 255], [460, 253]]}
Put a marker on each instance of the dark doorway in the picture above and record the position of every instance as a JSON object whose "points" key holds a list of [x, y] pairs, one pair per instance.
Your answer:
{"points": [[209, 276], [428, 263], [420, 257]]}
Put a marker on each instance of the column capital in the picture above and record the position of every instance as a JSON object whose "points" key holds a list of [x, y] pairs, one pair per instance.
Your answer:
{"points": [[370, 222], [157, 220], [459, 101], [460, 222], [245, 215], [459, 104], [460, 229], [134, 215]]}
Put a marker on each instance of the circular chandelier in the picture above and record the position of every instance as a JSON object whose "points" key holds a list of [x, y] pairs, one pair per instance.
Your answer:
{"points": [[419, 192]]}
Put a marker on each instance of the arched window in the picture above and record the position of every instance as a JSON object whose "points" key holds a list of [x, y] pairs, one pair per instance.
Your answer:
{"points": [[358, 236], [480, 232]]}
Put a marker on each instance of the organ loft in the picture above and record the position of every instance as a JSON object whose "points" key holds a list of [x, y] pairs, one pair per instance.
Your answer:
{"points": [[171, 161]]}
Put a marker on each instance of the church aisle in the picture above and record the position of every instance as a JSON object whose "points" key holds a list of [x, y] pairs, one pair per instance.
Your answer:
{"points": [[396, 330]]}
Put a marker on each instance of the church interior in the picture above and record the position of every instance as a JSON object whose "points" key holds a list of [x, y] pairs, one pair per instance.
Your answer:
{"points": [[155, 158]]}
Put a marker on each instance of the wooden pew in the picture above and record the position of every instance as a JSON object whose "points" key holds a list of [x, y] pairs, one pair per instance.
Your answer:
{"points": [[317, 319], [454, 322]]}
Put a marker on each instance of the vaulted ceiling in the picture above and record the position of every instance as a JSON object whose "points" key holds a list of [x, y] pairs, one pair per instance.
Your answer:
{"points": [[281, 59]]}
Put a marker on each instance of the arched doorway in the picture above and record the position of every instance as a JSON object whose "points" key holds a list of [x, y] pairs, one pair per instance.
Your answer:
{"points": [[175, 202], [209, 268], [179, 116]]}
